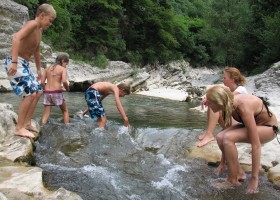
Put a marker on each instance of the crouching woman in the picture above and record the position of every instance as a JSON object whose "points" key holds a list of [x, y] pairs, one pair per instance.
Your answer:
{"points": [[257, 126]]}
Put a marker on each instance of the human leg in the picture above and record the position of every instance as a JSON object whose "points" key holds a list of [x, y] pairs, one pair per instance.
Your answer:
{"points": [[22, 112], [231, 136], [221, 138], [220, 169], [30, 112], [64, 109], [46, 114], [85, 112], [102, 122], [208, 135]]}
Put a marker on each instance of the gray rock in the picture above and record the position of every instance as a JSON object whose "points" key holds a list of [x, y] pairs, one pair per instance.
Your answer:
{"points": [[12, 17]]}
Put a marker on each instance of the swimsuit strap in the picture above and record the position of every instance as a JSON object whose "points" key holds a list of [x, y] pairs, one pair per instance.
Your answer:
{"points": [[266, 104], [51, 69]]}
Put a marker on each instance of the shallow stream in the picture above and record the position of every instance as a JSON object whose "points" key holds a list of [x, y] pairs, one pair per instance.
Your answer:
{"points": [[147, 161]]}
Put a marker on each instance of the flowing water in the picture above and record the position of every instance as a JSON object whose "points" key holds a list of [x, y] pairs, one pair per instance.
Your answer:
{"points": [[147, 161]]}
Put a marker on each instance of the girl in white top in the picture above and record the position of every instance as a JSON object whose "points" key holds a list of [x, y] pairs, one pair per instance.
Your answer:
{"points": [[235, 81]]}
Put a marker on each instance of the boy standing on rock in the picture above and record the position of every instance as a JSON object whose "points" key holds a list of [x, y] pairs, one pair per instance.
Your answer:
{"points": [[25, 43]]}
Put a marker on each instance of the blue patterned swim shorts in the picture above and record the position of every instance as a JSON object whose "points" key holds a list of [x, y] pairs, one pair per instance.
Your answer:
{"points": [[95, 106], [24, 83]]}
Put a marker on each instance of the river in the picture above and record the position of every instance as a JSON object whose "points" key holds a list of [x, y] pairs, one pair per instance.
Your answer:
{"points": [[147, 161]]}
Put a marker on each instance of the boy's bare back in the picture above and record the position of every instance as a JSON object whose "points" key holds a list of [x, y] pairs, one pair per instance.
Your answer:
{"points": [[105, 88]]}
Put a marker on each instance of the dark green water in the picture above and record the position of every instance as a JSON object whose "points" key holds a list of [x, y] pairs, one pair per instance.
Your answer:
{"points": [[142, 111]]}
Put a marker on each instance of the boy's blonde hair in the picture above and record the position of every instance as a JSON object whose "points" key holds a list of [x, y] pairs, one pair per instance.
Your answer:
{"points": [[235, 74], [125, 87], [223, 97], [46, 8]]}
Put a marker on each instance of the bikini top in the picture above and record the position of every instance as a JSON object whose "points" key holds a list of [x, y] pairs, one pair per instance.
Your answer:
{"points": [[52, 68], [265, 104]]}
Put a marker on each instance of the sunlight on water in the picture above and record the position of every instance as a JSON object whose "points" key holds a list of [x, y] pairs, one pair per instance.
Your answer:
{"points": [[146, 161]]}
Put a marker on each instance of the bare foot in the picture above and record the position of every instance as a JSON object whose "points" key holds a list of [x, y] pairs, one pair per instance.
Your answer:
{"points": [[219, 170], [24, 133], [200, 137], [31, 128], [224, 185], [242, 177], [205, 141]]}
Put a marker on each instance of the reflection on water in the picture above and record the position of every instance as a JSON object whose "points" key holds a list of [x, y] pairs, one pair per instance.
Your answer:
{"points": [[142, 111], [149, 160]]}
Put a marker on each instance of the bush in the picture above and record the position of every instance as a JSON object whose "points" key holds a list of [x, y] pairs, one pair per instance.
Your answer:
{"points": [[100, 61]]}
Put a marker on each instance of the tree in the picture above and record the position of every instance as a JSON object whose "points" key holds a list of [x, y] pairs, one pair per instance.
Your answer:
{"points": [[270, 39], [227, 23]]}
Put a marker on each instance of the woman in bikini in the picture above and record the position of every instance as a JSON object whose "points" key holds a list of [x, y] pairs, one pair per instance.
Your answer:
{"points": [[257, 126], [235, 81]]}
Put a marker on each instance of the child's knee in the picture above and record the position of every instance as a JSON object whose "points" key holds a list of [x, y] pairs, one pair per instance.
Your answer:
{"points": [[219, 137]]}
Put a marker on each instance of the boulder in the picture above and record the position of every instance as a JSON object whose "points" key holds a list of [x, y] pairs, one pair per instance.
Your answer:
{"points": [[18, 177]]}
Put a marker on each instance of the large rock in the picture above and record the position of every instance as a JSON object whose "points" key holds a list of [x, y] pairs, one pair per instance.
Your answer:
{"points": [[12, 17], [18, 179], [14, 148], [20, 182], [79, 72]]}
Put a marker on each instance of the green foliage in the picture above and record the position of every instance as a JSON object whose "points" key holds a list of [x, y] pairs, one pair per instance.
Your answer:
{"points": [[227, 22], [135, 72], [100, 61], [242, 33], [134, 57], [270, 39], [59, 35]]}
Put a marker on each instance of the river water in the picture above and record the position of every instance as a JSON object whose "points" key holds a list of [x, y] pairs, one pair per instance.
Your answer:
{"points": [[147, 161]]}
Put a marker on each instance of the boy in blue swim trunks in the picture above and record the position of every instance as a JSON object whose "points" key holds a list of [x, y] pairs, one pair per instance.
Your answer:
{"points": [[97, 92], [26, 43]]}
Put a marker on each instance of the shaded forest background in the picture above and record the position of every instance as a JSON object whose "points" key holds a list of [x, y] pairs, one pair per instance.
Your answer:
{"points": [[241, 33]]}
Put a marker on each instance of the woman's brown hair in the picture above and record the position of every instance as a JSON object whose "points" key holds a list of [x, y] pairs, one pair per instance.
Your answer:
{"points": [[235, 74]]}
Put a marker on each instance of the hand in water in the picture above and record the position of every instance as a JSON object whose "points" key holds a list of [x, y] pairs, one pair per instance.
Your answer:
{"points": [[126, 123]]}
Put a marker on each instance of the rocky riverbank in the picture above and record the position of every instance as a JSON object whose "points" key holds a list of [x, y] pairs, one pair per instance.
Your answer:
{"points": [[177, 81], [265, 85]]}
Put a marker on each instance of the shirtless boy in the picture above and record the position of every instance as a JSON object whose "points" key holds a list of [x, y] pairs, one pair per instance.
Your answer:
{"points": [[25, 43], [97, 92], [55, 76]]}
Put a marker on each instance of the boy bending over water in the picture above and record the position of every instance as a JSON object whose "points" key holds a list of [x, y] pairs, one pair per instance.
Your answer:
{"points": [[97, 92]]}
